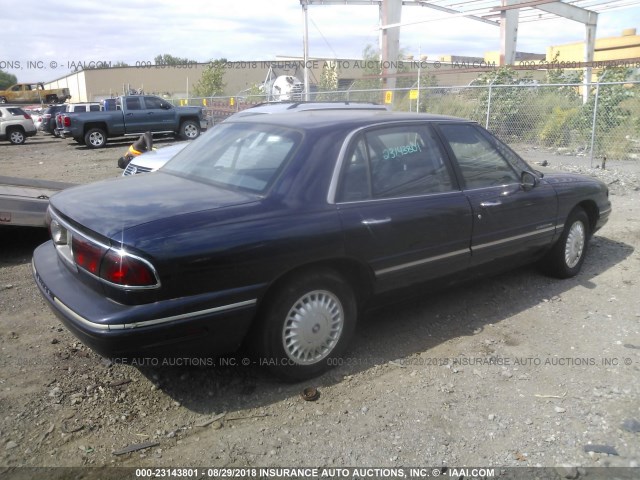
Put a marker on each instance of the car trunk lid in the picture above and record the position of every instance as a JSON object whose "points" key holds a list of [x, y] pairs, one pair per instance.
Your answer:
{"points": [[112, 206]]}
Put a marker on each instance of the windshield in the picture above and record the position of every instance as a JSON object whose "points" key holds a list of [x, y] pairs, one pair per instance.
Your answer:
{"points": [[237, 155]]}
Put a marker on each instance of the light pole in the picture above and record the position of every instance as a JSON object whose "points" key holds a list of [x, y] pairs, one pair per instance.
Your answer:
{"points": [[305, 47]]}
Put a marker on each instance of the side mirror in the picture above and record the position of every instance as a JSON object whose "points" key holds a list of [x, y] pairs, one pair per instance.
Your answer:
{"points": [[528, 181]]}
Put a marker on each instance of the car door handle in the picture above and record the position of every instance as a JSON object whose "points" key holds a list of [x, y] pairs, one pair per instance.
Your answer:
{"points": [[376, 221], [490, 204]]}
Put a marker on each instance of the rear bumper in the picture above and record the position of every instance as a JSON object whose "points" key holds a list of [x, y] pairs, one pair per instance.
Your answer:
{"points": [[166, 329]]}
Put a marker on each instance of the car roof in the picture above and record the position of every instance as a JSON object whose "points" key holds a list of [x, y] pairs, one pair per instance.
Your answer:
{"points": [[301, 106], [319, 119]]}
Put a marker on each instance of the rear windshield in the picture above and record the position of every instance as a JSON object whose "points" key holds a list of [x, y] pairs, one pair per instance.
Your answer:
{"points": [[16, 111], [244, 156]]}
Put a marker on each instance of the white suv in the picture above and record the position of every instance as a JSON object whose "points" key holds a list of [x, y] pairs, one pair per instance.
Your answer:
{"points": [[16, 125]]}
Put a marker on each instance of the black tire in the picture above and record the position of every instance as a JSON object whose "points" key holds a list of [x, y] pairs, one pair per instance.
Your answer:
{"points": [[566, 257], [3, 100], [95, 138], [16, 136], [189, 130], [296, 348], [123, 162]]}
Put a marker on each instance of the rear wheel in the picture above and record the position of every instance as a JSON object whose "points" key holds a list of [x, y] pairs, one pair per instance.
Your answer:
{"points": [[17, 137], [565, 259], [95, 138], [3, 100], [307, 324]]}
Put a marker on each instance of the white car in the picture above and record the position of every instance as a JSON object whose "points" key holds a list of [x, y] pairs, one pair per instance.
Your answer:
{"points": [[36, 116], [151, 161], [16, 125]]}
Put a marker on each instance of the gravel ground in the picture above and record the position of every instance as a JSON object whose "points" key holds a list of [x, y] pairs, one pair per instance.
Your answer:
{"points": [[519, 370]]}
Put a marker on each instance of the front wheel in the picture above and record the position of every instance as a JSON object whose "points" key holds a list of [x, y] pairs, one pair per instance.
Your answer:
{"points": [[566, 257], [189, 130], [307, 324], [95, 138]]}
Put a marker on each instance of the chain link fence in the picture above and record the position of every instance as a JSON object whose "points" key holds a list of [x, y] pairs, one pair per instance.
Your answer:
{"points": [[529, 115]]}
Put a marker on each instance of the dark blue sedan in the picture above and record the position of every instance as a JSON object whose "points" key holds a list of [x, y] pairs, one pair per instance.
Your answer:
{"points": [[277, 229]]}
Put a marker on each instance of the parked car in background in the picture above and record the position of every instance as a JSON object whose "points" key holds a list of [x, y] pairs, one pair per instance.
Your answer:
{"points": [[49, 118], [36, 116], [59, 130], [135, 114], [109, 104], [276, 230], [24, 201], [151, 161], [33, 93], [15, 125]]}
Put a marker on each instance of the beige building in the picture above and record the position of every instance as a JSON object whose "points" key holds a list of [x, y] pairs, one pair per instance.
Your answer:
{"points": [[624, 47], [178, 82]]}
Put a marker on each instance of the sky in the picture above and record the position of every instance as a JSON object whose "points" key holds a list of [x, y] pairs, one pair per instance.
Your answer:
{"points": [[42, 40]]}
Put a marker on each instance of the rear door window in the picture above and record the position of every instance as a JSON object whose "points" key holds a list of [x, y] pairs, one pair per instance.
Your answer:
{"points": [[397, 161], [133, 103]]}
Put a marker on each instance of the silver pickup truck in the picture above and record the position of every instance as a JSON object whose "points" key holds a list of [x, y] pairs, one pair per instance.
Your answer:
{"points": [[23, 201]]}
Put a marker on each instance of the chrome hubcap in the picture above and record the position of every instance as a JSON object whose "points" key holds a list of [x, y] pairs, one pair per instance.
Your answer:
{"points": [[313, 327], [575, 244], [190, 131], [16, 137], [95, 139]]}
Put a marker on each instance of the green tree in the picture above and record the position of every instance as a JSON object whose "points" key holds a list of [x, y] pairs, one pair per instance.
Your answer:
{"points": [[254, 94], [509, 106], [371, 76], [560, 75], [7, 79], [615, 110], [167, 59], [211, 82], [328, 81]]}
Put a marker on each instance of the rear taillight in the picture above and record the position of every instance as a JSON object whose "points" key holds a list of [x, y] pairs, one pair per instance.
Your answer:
{"points": [[113, 266], [66, 121], [27, 116], [122, 269], [87, 255]]}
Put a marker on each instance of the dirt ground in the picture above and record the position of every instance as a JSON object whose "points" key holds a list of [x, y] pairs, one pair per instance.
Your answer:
{"points": [[519, 370]]}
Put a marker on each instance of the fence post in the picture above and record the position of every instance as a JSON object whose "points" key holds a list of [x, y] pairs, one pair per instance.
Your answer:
{"points": [[486, 124], [593, 123]]}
